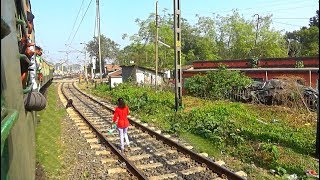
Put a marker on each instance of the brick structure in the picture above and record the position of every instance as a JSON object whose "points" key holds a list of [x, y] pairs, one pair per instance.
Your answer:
{"points": [[267, 68], [289, 62]]}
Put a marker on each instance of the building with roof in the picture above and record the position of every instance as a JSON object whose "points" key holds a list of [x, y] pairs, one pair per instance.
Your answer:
{"points": [[141, 75], [111, 68]]}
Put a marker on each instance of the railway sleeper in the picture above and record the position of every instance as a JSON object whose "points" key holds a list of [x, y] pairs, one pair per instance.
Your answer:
{"points": [[139, 157], [91, 135], [93, 140], [103, 152], [81, 124], [149, 166], [164, 152], [77, 120], [116, 170], [192, 170], [85, 131], [95, 146], [108, 160], [146, 140], [83, 128], [176, 161], [164, 176], [135, 135], [112, 138]]}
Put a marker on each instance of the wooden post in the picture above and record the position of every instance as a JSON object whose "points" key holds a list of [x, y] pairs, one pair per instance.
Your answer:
{"points": [[310, 79], [266, 77]]}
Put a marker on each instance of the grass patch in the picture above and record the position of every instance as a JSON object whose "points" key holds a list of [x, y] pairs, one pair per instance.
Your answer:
{"points": [[270, 137], [202, 145], [49, 147]]}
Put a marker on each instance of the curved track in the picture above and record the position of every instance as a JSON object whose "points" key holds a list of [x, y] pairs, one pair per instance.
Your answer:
{"points": [[151, 156]]}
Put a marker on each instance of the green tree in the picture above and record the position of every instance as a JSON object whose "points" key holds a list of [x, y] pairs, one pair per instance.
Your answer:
{"points": [[270, 43], [141, 50], [236, 38], [314, 21], [306, 40], [198, 42], [109, 50], [211, 38]]}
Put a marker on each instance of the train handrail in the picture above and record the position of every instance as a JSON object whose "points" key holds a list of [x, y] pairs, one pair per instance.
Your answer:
{"points": [[7, 124]]}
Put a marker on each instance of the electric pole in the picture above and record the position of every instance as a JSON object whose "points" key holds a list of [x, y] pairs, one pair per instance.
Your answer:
{"points": [[156, 46], [85, 62], [177, 54], [318, 130], [257, 28], [99, 43], [66, 61], [85, 66]]}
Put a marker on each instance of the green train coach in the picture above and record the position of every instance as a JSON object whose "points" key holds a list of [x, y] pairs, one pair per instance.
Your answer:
{"points": [[22, 82]]}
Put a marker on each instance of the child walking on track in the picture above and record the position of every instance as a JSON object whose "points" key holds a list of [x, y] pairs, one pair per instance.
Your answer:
{"points": [[120, 118]]}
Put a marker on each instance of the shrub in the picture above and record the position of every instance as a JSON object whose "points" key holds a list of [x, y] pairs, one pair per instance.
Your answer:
{"points": [[216, 84]]}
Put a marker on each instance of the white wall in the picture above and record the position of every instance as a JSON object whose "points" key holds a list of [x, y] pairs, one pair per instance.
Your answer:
{"points": [[147, 77], [115, 80], [140, 78]]}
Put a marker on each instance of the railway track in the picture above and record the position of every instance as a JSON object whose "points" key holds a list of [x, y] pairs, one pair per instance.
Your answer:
{"points": [[152, 155]]}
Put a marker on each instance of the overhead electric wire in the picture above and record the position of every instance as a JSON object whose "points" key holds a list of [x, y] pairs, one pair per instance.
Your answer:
{"points": [[284, 9], [75, 20], [262, 5], [287, 24], [81, 22], [290, 18]]}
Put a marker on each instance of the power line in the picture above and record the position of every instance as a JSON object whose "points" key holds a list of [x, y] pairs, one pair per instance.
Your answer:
{"points": [[290, 18], [262, 5], [265, 6], [287, 24], [81, 21], [286, 9], [75, 20]]}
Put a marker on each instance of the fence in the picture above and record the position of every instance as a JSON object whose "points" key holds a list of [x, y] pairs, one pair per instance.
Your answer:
{"points": [[306, 99]]}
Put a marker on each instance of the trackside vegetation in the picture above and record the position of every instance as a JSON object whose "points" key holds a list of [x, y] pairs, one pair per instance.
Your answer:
{"points": [[216, 84], [252, 138], [49, 148]]}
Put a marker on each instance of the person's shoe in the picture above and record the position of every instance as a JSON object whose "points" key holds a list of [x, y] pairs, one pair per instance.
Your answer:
{"points": [[122, 151]]}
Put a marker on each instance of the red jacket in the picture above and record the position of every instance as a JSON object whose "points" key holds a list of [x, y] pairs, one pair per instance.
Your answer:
{"points": [[120, 115]]}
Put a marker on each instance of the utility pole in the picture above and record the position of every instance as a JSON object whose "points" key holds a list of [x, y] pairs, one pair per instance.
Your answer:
{"points": [[177, 54], [67, 52], [62, 62], [257, 28], [85, 62], [85, 65], [156, 46], [318, 130], [99, 43], [67, 60]]}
